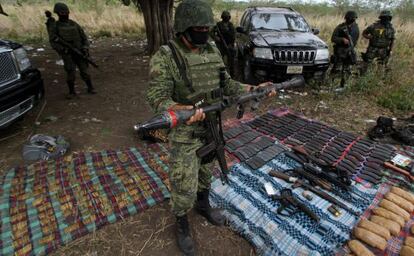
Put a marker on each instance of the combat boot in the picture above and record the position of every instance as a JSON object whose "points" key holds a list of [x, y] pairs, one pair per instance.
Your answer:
{"points": [[184, 239], [91, 90], [72, 92], [203, 207]]}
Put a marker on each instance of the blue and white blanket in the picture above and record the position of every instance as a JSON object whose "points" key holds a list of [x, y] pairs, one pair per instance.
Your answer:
{"points": [[254, 215]]}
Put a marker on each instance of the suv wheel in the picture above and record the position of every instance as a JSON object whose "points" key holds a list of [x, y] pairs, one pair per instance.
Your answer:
{"points": [[248, 76]]}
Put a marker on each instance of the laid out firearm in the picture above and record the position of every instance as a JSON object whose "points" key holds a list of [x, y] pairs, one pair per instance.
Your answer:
{"points": [[315, 169], [288, 201], [318, 167], [59, 40], [297, 182], [171, 119]]}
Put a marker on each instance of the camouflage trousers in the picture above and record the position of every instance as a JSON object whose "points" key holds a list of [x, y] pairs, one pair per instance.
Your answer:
{"points": [[70, 63], [187, 175], [376, 53]]}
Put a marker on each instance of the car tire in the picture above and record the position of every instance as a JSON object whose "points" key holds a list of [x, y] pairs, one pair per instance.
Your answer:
{"points": [[248, 76]]}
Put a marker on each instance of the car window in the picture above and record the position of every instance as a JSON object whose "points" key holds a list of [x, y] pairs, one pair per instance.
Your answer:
{"points": [[279, 21]]}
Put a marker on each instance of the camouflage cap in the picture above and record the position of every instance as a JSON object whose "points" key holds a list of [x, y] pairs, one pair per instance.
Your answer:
{"points": [[351, 15], [225, 14], [385, 13], [60, 7], [192, 13]]}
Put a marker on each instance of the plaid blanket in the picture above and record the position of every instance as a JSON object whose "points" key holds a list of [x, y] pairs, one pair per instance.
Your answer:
{"points": [[48, 204], [253, 214]]}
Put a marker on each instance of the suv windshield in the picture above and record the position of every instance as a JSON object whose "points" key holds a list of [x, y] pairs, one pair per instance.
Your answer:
{"points": [[279, 21]]}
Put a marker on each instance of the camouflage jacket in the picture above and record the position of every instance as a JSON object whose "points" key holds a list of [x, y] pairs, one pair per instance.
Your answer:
{"points": [[382, 35], [227, 30], [70, 31], [164, 75], [340, 33]]}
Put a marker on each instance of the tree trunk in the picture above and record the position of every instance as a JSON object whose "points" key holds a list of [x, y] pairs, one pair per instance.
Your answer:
{"points": [[158, 22]]}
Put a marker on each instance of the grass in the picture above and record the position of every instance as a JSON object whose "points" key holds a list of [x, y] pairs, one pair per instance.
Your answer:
{"points": [[104, 18]]}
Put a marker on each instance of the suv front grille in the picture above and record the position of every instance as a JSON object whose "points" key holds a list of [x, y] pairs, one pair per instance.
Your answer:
{"points": [[294, 56], [8, 69]]}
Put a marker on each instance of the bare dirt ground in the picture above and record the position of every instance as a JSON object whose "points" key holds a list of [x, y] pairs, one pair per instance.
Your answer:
{"points": [[105, 121]]}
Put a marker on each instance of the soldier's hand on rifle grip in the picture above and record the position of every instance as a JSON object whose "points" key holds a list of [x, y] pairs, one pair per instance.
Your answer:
{"points": [[272, 93], [198, 116], [346, 41]]}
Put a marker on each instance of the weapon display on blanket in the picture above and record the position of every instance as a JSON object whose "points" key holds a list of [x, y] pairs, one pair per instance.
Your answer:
{"points": [[313, 189], [315, 169], [289, 201], [59, 40], [170, 119]]}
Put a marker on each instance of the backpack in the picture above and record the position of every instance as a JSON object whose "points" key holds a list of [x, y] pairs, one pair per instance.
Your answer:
{"points": [[43, 147]]}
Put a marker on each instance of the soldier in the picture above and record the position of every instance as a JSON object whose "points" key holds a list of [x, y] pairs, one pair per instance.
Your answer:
{"points": [[381, 36], [224, 35], [345, 38], [180, 72], [70, 31]]}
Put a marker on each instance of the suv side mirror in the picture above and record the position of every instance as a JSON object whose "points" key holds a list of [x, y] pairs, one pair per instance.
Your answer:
{"points": [[240, 30], [315, 31]]}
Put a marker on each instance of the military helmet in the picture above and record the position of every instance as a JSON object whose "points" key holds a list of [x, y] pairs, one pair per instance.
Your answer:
{"points": [[351, 15], [60, 7], [192, 13], [385, 13], [225, 14]]}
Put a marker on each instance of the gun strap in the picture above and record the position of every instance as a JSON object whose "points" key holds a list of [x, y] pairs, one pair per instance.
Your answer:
{"points": [[181, 66]]}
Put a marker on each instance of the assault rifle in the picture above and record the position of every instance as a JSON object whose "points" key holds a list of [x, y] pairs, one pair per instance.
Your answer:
{"points": [[57, 39], [352, 55], [287, 201], [171, 119], [297, 182], [214, 147], [224, 43]]}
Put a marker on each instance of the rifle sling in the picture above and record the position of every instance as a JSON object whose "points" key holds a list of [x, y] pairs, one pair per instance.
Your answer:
{"points": [[181, 66]]}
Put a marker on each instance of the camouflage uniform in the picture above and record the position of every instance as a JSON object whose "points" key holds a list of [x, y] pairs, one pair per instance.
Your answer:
{"points": [[71, 32], [187, 175], [380, 44], [341, 57], [228, 32]]}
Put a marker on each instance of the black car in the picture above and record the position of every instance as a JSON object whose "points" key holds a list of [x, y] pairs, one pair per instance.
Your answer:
{"points": [[21, 85], [277, 43]]}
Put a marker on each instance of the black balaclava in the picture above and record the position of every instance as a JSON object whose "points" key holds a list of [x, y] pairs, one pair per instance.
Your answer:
{"points": [[63, 16], [197, 38], [226, 18], [385, 20], [349, 21]]}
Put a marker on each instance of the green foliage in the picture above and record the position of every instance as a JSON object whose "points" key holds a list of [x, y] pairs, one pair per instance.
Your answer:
{"points": [[399, 99]]}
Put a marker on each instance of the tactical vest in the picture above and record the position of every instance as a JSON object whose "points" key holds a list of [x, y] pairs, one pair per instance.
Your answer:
{"points": [[203, 76], [69, 32], [382, 36]]}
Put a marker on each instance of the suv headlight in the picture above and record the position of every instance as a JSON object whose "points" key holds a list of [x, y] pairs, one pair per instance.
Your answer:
{"points": [[21, 58], [322, 54], [263, 53]]}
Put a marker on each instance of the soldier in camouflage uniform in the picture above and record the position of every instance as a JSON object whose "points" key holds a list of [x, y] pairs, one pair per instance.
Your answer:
{"points": [[224, 31], [180, 72], [381, 36], [71, 32], [344, 32]]}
